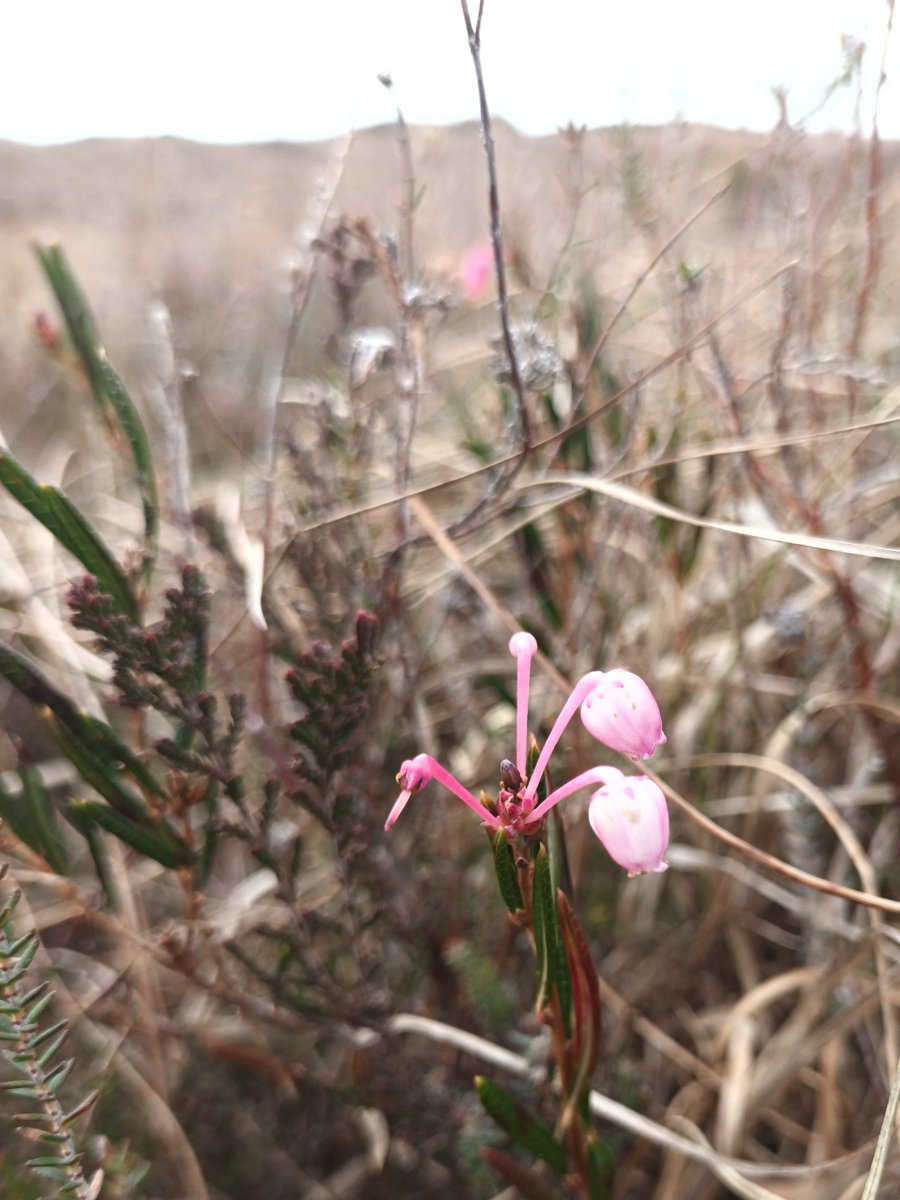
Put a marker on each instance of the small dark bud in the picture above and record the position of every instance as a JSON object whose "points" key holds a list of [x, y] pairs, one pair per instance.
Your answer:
{"points": [[509, 776], [366, 631]]}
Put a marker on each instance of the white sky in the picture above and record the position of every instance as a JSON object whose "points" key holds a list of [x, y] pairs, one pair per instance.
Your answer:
{"points": [[305, 69]]}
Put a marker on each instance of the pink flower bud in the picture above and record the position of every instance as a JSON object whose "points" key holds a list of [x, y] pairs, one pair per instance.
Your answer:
{"points": [[620, 712], [413, 775], [415, 772], [631, 819], [523, 645]]}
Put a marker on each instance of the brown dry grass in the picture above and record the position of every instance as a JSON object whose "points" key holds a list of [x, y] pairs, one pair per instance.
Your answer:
{"points": [[749, 1020]]}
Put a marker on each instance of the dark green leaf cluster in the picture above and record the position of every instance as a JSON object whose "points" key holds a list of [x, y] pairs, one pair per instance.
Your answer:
{"points": [[155, 667], [332, 685], [164, 668], [131, 791], [29, 1050]]}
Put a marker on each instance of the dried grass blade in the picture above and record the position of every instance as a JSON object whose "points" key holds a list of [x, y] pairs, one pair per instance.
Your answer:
{"points": [[883, 1145], [617, 491]]}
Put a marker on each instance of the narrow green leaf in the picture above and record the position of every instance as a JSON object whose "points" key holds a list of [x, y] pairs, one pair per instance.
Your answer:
{"points": [[601, 1165], [23, 961], [552, 968], [14, 947], [74, 1113], [507, 875], [49, 1136], [59, 1075], [50, 1051], [559, 859], [56, 512], [50, 1166], [102, 738], [159, 842], [525, 1130], [49, 1032], [15, 814], [542, 916], [25, 1091], [43, 819], [108, 389], [102, 775], [93, 836], [32, 1118], [12, 900], [96, 745], [35, 1011]]}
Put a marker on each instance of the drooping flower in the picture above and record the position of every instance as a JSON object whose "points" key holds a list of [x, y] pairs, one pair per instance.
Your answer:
{"points": [[627, 813], [630, 818], [620, 711]]}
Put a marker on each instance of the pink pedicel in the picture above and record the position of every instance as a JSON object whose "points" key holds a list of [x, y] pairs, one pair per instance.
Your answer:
{"points": [[630, 818], [416, 772], [620, 712], [628, 814]]}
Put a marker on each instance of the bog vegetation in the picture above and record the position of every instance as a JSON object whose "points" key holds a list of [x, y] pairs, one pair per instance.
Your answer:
{"points": [[271, 542]]}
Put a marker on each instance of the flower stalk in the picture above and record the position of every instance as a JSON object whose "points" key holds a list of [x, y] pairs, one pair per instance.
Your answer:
{"points": [[628, 815]]}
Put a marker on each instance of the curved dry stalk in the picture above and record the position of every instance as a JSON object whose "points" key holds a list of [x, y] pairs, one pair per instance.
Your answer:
{"points": [[779, 745], [886, 1136], [576, 483], [769, 861], [553, 439]]}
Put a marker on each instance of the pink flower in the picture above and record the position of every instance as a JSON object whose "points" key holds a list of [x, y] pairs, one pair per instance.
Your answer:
{"points": [[629, 815], [620, 712], [416, 772], [476, 269], [630, 818]]}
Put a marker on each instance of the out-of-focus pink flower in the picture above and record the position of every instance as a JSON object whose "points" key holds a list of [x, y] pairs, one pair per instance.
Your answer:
{"points": [[630, 817], [476, 269], [620, 712]]}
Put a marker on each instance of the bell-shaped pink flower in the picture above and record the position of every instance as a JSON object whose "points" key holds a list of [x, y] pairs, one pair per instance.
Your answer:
{"points": [[630, 817], [620, 712]]}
